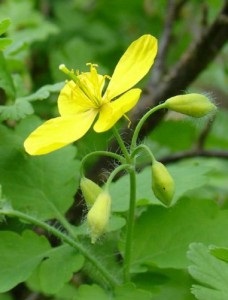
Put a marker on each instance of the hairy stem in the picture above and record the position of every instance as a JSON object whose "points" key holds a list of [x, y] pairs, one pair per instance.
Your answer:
{"points": [[130, 226], [141, 123]]}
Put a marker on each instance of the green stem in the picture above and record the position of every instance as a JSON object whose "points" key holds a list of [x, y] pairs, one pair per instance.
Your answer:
{"points": [[145, 148], [130, 226], [140, 124], [115, 172], [65, 238], [131, 212], [122, 145], [65, 224], [103, 153]]}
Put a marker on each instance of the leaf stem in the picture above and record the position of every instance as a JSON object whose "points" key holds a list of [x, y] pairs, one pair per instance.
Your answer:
{"points": [[65, 238]]}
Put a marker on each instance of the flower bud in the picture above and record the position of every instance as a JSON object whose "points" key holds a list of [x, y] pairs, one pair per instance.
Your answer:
{"points": [[90, 191], [99, 214], [194, 105], [162, 183]]}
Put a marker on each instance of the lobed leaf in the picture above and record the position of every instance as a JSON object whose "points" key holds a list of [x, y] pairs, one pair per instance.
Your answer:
{"points": [[31, 256], [16, 111], [56, 270], [43, 185], [22, 106], [162, 236], [20, 255], [220, 253], [43, 93], [210, 272]]}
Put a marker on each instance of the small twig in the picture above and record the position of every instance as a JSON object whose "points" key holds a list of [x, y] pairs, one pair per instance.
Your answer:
{"points": [[204, 19], [194, 153], [159, 68], [164, 42], [33, 296]]}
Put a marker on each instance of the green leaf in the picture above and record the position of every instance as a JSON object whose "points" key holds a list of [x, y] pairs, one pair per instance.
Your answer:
{"points": [[16, 111], [218, 138], [125, 292], [5, 296], [42, 185], [6, 82], [28, 255], [64, 256], [220, 253], [22, 107], [4, 24], [163, 140], [162, 235], [210, 272], [88, 292], [28, 24], [129, 291], [166, 284], [187, 176], [4, 42], [43, 93], [20, 255]]}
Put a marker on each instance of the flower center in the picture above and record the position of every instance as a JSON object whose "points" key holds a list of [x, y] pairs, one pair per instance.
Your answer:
{"points": [[90, 83]]}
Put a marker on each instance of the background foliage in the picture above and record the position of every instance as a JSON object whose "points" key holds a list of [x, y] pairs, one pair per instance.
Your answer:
{"points": [[173, 254]]}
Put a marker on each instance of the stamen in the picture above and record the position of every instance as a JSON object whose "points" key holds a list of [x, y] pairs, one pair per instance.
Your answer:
{"points": [[69, 73], [90, 83], [129, 121], [92, 65]]}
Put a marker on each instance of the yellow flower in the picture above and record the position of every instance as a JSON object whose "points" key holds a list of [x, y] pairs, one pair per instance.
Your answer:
{"points": [[82, 99]]}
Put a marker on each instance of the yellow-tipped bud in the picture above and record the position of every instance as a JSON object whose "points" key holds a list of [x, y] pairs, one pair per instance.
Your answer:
{"points": [[90, 191], [162, 183], [194, 105], [98, 216]]}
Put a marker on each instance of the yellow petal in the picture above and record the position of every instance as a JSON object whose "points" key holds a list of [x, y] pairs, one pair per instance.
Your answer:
{"points": [[111, 112], [58, 132], [133, 65], [72, 100]]}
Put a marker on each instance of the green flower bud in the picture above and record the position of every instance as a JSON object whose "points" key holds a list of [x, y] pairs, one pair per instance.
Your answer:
{"points": [[162, 183], [194, 105], [98, 216], [90, 191]]}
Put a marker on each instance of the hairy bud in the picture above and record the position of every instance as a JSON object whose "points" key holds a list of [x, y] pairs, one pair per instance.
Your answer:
{"points": [[90, 191], [98, 216], [162, 183], [194, 105]]}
